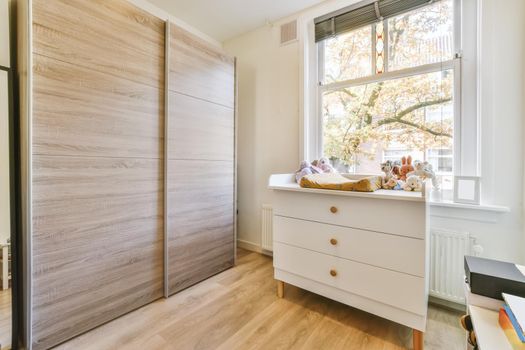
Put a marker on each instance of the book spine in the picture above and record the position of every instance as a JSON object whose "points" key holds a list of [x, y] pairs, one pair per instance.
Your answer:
{"points": [[509, 331], [515, 323]]}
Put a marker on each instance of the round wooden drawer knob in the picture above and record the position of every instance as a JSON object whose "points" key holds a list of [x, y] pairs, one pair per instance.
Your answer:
{"points": [[333, 210], [333, 272], [333, 241]]}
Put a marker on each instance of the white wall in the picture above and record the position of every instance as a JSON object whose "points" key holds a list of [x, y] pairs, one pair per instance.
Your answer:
{"points": [[164, 14], [269, 125], [502, 111]]}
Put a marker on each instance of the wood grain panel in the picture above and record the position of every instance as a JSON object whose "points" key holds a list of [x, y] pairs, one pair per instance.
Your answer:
{"points": [[113, 36], [200, 129], [97, 242], [98, 126], [79, 111], [200, 241], [200, 69]]}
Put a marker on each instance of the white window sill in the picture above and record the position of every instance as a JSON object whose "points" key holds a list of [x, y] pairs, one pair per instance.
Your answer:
{"points": [[482, 207], [446, 209]]}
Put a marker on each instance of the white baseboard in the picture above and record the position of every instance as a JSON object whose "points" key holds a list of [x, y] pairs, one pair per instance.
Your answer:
{"points": [[446, 303], [253, 247]]}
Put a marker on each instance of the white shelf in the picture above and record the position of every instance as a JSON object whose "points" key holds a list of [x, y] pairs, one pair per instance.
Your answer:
{"points": [[489, 334]]}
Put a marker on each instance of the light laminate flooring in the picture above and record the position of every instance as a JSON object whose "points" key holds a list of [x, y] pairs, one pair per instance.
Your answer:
{"points": [[5, 319], [239, 309]]}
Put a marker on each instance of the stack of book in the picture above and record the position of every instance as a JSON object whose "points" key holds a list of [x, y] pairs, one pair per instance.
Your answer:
{"points": [[512, 320]]}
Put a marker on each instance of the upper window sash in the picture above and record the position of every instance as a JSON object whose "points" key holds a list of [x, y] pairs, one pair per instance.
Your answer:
{"points": [[379, 50], [427, 68], [361, 14]]}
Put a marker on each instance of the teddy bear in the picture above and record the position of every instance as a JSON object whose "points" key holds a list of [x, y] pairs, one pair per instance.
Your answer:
{"points": [[424, 171], [406, 167], [324, 164], [413, 183]]}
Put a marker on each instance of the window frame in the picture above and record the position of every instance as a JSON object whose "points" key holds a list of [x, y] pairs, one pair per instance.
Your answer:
{"points": [[454, 64]]}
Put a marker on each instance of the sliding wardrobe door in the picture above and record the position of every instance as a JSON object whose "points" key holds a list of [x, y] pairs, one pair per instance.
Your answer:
{"points": [[200, 161], [97, 168]]}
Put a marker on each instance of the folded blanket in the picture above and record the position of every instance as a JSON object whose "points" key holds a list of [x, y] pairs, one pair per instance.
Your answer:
{"points": [[341, 183]]}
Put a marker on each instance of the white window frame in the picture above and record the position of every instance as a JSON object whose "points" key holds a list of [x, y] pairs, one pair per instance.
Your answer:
{"points": [[466, 88], [428, 156], [453, 64]]}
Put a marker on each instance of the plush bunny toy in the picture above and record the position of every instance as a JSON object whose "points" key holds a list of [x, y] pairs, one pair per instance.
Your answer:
{"points": [[406, 167], [413, 183]]}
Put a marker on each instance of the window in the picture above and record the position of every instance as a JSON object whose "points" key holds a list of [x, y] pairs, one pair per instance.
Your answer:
{"points": [[387, 90]]}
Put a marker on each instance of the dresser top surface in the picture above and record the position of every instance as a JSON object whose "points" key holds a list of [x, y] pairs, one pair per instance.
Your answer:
{"points": [[286, 182]]}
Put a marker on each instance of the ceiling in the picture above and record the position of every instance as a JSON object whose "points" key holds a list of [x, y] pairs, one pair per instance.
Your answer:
{"points": [[226, 19]]}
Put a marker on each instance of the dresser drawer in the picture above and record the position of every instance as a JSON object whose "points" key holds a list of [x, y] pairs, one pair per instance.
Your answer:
{"points": [[400, 217], [403, 291], [388, 251]]}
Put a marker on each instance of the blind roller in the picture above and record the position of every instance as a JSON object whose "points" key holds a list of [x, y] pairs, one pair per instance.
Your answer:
{"points": [[361, 14]]}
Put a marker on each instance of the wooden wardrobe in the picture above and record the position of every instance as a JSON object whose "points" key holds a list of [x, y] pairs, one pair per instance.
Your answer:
{"points": [[128, 128], [201, 135]]}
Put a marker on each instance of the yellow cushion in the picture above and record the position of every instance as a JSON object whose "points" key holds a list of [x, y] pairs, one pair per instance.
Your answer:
{"points": [[341, 183]]}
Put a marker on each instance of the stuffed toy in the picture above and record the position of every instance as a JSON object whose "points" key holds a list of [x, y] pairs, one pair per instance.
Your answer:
{"points": [[424, 171], [304, 169], [392, 184], [315, 167], [406, 167], [388, 168], [413, 183], [396, 168], [400, 184], [325, 166]]}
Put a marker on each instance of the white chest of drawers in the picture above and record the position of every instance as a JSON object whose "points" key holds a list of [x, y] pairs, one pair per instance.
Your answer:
{"points": [[366, 250]]}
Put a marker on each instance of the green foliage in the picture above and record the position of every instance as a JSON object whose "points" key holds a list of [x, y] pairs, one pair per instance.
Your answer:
{"points": [[415, 111]]}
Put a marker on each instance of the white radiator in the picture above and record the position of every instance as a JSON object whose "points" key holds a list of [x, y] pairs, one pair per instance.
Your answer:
{"points": [[447, 251], [267, 227]]}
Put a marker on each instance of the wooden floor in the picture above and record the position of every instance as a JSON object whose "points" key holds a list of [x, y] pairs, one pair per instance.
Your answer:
{"points": [[239, 309], [5, 319]]}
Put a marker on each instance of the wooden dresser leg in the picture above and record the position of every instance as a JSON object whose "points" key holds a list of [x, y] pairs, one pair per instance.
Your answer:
{"points": [[280, 289], [417, 338]]}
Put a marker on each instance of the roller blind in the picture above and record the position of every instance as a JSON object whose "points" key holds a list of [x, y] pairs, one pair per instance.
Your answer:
{"points": [[361, 14]]}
